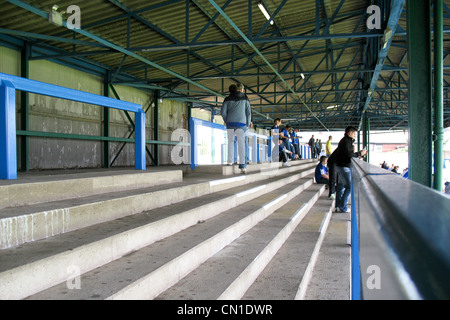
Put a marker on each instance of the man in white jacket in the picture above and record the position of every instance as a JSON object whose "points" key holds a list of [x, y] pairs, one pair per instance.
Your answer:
{"points": [[237, 114]]}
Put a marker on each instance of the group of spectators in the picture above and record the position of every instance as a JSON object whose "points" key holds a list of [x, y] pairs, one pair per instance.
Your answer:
{"points": [[316, 147], [395, 169], [405, 174], [333, 168], [288, 142]]}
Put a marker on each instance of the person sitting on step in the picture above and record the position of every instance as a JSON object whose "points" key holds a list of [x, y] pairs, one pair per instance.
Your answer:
{"points": [[284, 154], [321, 173]]}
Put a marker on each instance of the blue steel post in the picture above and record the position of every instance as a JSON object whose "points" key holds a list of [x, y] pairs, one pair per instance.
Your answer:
{"points": [[139, 132], [193, 128], [356, 273], [258, 159], [8, 142], [255, 149]]}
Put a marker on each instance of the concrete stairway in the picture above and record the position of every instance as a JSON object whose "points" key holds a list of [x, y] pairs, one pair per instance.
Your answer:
{"points": [[157, 235]]}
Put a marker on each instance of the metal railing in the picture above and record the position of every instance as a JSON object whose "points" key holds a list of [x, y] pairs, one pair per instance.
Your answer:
{"points": [[401, 237], [8, 141], [259, 150]]}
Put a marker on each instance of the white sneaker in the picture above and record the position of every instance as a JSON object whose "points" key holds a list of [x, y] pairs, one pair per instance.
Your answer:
{"points": [[332, 196], [243, 170], [286, 164]]}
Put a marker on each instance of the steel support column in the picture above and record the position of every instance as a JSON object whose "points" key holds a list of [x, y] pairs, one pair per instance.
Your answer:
{"points": [[106, 120], [420, 88], [366, 137], [24, 109], [438, 96], [156, 127]]}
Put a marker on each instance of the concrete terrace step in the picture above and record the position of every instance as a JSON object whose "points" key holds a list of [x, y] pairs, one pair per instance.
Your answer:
{"points": [[330, 279], [289, 273], [33, 267], [228, 170], [145, 273], [30, 223], [40, 188], [229, 273]]}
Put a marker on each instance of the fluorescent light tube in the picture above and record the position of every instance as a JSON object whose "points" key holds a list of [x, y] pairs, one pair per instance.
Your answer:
{"points": [[264, 11]]}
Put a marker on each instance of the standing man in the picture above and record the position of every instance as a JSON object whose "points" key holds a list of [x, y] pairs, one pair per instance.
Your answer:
{"points": [[344, 154], [312, 145], [295, 143], [237, 115], [275, 131], [328, 151]]}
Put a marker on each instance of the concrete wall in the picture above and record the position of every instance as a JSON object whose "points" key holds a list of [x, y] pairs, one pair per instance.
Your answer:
{"points": [[48, 114]]}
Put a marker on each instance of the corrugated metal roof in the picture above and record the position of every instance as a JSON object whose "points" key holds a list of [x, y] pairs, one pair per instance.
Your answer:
{"points": [[326, 40]]}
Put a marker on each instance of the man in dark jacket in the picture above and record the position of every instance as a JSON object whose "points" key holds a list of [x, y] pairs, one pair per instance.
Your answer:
{"points": [[343, 159], [312, 145], [237, 114]]}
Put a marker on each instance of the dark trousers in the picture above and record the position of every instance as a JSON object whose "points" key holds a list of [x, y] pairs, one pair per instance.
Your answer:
{"points": [[333, 178], [324, 181], [283, 157]]}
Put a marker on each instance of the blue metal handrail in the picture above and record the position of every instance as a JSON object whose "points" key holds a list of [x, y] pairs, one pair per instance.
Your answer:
{"points": [[400, 250], [194, 123], [8, 144]]}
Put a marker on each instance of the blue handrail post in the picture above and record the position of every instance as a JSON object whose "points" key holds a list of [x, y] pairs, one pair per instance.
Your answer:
{"points": [[258, 159], [8, 142], [193, 127], [139, 143], [255, 149], [356, 272]]}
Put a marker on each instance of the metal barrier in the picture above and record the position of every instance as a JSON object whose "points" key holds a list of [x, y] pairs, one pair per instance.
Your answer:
{"points": [[400, 248], [8, 144], [260, 152]]}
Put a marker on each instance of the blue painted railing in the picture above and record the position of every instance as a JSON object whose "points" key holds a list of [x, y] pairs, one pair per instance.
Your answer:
{"points": [[401, 233], [256, 155], [194, 128], [8, 144]]}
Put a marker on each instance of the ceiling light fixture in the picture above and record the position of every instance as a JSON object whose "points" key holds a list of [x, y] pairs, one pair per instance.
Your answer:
{"points": [[264, 11], [55, 17]]}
